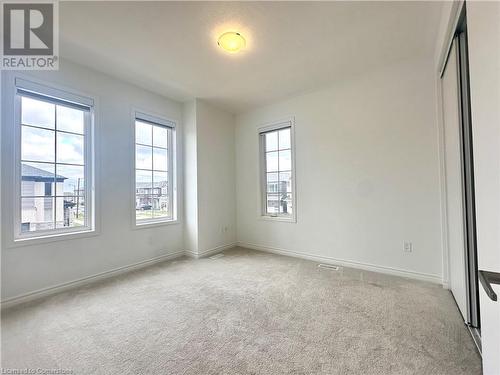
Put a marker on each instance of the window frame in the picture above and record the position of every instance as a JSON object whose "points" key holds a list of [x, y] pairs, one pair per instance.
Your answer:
{"points": [[158, 120], [273, 126], [27, 88]]}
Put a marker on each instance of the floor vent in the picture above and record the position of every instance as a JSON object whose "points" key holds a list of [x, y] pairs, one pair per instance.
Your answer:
{"points": [[217, 256], [329, 266]]}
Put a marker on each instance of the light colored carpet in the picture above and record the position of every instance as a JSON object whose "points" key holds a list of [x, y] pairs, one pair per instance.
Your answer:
{"points": [[246, 313]]}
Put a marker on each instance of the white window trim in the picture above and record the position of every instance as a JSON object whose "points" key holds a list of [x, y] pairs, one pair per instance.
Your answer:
{"points": [[71, 96], [149, 116], [275, 125]]}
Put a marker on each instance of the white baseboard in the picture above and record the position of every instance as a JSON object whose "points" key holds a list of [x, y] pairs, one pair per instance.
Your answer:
{"points": [[346, 263], [9, 302], [208, 252]]}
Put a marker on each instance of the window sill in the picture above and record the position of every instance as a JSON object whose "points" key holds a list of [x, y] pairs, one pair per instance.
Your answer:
{"points": [[47, 238], [152, 224], [286, 219]]}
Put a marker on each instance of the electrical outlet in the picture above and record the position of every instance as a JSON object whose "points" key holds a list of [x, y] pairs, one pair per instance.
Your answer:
{"points": [[407, 247]]}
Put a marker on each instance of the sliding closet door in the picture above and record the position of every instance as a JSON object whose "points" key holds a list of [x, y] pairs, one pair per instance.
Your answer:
{"points": [[454, 182]]}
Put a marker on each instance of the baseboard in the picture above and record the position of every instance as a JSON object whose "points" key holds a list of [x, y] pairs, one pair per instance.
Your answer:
{"points": [[12, 301], [346, 263], [208, 252]]}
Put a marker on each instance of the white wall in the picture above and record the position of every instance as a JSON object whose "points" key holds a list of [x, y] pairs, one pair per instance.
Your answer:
{"points": [[190, 178], [33, 267], [209, 178], [367, 172], [216, 177]]}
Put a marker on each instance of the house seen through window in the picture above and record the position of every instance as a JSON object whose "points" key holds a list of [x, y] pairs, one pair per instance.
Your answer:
{"points": [[153, 172], [278, 174], [52, 165]]}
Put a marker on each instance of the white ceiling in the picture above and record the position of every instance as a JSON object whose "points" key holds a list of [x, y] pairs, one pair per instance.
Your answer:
{"points": [[170, 47]]}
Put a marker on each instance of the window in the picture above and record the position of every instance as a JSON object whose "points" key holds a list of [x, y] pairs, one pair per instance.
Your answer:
{"points": [[48, 189], [154, 179], [276, 143], [54, 178]]}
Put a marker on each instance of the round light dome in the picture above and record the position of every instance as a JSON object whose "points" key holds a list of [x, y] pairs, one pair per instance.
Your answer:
{"points": [[231, 41]]}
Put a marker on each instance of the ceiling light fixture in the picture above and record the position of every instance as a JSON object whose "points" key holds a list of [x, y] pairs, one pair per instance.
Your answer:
{"points": [[231, 41]]}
